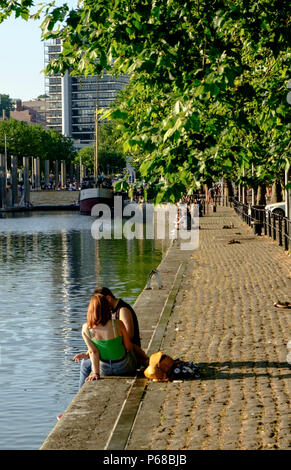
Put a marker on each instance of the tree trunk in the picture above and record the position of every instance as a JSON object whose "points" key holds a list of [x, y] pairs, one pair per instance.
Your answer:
{"points": [[261, 195], [276, 195], [228, 189]]}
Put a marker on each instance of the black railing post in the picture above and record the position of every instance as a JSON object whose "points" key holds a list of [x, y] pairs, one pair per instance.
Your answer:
{"points": [[257, 220], [273, 226], [258, 217], [286, 240], [269, 224], [280, 230]]}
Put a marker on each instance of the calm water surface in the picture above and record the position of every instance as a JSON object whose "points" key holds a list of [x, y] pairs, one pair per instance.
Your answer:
{"points": [[49, 266]]}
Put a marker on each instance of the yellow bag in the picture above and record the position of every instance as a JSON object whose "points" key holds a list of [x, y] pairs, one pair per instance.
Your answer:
{"points": [[160, 367]]}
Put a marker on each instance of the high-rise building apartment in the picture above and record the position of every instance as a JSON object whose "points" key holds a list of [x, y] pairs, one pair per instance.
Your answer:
{"points": [[71, 102]]}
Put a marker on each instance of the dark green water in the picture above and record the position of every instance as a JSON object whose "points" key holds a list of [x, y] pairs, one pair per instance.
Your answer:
{"points": [[49, 265]]}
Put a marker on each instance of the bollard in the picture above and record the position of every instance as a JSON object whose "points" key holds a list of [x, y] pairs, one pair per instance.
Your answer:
{"points": [[3, 193], [37, 174], [56, 174], [46, 173], [14, 180], [26, 192], [33, 176], [71, 171], [63, 174]]}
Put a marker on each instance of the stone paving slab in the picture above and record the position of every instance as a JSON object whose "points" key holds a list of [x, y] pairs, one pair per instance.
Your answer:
{"points": [[224, 320], [90, 417]]}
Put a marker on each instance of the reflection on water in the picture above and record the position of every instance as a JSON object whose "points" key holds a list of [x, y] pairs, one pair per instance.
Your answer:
{"points": [[49, 265]]}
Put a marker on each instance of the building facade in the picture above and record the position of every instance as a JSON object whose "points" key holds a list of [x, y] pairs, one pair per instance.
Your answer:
{"points": [[31, 112], [71, 101]]}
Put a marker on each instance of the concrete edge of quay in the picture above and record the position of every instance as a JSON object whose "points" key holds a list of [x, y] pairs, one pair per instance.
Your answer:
{"points": [[102, 413]]}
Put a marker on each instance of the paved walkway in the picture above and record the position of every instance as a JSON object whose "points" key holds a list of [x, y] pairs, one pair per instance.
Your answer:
{"points": [[225, 321]]}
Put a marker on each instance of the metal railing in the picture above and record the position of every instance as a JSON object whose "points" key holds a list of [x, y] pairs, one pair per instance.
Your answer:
{"points": [[261, 220]]}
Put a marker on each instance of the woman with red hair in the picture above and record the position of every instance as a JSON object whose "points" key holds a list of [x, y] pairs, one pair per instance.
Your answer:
{"points": [[108, 343]]}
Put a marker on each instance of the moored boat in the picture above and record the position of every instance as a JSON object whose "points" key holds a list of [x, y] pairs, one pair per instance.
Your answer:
{"points": [[91, 196], [96, 190]]}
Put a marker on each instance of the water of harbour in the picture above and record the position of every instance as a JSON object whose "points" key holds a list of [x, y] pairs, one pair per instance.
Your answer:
{"points": [[49, 266]]}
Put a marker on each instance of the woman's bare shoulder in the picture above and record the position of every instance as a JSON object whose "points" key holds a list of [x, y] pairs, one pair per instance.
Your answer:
{"points": [[85, 328]]}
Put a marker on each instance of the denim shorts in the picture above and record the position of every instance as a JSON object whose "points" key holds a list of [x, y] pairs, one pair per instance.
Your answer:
{"points": [[126, 366]]}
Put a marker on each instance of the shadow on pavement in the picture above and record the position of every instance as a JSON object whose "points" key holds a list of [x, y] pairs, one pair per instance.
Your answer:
{"points": [[227, 370]]}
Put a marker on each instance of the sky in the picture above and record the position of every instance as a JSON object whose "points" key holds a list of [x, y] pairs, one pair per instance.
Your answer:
{"points": [[22, 58]]}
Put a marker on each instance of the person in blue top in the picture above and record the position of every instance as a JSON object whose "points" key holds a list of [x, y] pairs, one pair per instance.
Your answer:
{"points": [[124, 312], [107, 341]]}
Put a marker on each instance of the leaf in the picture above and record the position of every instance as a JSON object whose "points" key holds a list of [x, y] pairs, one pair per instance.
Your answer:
{"points": [[227, 163], [118, 114], [171, 77], [177, 107]]}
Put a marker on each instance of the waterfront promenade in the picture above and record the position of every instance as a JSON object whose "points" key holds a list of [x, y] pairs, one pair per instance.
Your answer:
{"points": [[222, 317]]}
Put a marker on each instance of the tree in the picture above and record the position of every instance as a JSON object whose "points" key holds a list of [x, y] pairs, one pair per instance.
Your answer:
{"points": [[26, 140], [6, 104], [111, 157], [58, 146], [207, 94], [85, 156]]}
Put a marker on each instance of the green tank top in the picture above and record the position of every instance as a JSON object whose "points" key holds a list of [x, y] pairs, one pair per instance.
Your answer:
{"points": [[109, 349]]}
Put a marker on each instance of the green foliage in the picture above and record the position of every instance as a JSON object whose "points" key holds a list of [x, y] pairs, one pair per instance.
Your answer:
{"points": [[208, 86], [85, 156], [6, 104], [122, 185], [34, 141], [111, 157]]}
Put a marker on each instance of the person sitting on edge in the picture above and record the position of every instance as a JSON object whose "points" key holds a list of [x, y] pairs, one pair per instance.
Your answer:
{"points": [[124, 312], [107, 340]]}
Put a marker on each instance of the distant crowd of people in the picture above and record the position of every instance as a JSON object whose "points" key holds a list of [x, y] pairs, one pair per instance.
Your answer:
{"points": [[103, 181], [69, 186], [215, 191]]}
